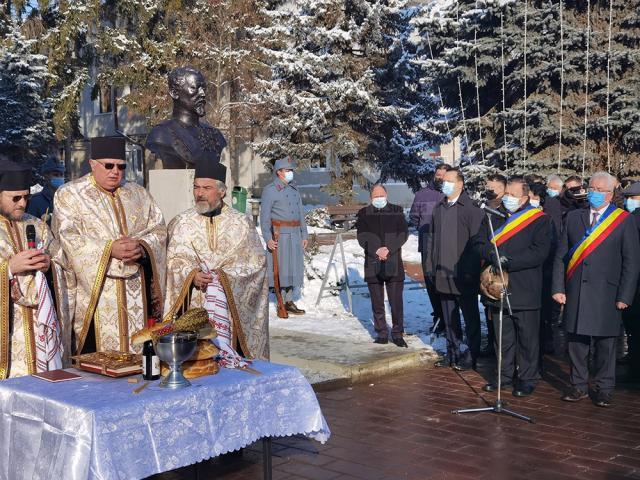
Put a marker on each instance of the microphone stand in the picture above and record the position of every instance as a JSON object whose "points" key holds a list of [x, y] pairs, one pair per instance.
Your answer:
{"points": [[498, 406]]}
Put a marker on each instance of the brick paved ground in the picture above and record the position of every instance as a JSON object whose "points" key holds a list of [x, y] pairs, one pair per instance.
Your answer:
{"points": [[401, 428]]}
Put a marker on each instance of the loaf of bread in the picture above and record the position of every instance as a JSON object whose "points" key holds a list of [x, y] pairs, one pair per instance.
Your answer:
{"points": [[205, 351], [195, 369]]}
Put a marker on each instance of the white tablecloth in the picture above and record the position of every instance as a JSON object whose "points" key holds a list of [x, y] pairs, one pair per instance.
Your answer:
{"points": [[96, 428]]}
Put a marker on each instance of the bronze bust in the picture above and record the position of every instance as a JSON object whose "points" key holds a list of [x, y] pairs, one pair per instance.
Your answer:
{"points": [[183, 138]]}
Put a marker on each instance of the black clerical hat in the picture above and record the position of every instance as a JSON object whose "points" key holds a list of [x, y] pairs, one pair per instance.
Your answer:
{"points": [[207, 166], [108, 147], [14, 176]]}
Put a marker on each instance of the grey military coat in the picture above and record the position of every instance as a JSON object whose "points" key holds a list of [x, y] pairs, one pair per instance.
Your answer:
{"points": [[281, 201]]}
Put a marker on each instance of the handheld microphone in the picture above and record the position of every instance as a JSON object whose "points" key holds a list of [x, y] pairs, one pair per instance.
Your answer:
{"points": [[492, 211], [31, 236]]}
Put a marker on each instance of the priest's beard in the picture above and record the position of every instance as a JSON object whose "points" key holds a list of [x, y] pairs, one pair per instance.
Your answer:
{"points": [[204, 207], [16, 213]]}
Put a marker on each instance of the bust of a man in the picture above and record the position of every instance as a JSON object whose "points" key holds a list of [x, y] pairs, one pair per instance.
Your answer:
{"points": [[183, 138]]}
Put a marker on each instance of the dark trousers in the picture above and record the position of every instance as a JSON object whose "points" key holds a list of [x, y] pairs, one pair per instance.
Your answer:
{"points": [[394, 295], [451, 306], [604, 361], [520, 345], [631, 319], [434, 296]]}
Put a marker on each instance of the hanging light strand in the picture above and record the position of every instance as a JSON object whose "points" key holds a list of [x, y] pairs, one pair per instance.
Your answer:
{"points": [[608, 86], [524, 133], [586, 90], [475, 62], [561, 85], [504, 120]]}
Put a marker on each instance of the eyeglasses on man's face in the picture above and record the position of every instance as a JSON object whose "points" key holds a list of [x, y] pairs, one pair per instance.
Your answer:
{"points": [[111, 165]]}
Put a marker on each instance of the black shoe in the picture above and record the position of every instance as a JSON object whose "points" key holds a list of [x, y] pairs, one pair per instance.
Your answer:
{"points": [[575, 395], [492, 387], [381, 340], [523, 391], [602, 399], [463, 366], [291, 308], [442, 363], [399, 341]]}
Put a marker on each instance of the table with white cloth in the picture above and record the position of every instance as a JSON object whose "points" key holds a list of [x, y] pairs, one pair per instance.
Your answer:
{"points": [[97, 428]]}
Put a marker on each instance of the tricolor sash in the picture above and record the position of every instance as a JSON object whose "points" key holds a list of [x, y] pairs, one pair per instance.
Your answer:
{"points": [[516, 223], [594, 236]]}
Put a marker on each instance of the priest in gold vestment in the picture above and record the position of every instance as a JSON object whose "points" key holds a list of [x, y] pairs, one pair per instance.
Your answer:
{"points": [[114, 238], [30, 334], [213, 240]]}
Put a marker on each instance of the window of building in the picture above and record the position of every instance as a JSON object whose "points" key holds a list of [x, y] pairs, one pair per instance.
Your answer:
{"points": [[105, 99], [320, 165]]}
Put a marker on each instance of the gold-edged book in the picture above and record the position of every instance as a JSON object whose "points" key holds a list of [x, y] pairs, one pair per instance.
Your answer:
{"points": [[110, 363]]}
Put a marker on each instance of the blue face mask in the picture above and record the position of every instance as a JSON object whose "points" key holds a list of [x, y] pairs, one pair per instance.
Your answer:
{"points": [[511, 203], [631, 204], [534, 203], [56, 182], [552, 193], [448, 188], [288, 176], [379, 202], [596, 199]]}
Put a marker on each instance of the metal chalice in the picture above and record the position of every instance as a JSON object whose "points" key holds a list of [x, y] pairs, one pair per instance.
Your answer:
{"points": [[174, 349]]}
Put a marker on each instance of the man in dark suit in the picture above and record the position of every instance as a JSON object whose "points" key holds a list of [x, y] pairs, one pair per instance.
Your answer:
{"points": [[454, 267], [420, 217], [523, 241], [631, 315], [382, 230], [595, 277]]}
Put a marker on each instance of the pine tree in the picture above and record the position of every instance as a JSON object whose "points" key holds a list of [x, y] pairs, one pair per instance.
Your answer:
{"points": [[466, 33], [25, 122], [343, 84]]}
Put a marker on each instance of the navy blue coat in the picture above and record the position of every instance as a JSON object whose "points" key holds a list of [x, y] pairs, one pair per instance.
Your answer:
{"points": [[421, 212], [608, 275], [40, 202]]}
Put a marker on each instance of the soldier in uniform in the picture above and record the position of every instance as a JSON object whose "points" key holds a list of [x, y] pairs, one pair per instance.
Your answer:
{"points": [[285, 233]]}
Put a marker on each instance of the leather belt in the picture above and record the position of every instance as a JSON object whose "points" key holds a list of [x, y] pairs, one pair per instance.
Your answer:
{"points": [[285, 223]]}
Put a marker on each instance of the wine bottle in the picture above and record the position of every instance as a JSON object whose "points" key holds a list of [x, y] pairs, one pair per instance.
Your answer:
{"points": [[150, 361]]}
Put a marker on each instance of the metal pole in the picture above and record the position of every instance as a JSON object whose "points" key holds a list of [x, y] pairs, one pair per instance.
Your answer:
{"points": [[346, 274], [266, 459]]}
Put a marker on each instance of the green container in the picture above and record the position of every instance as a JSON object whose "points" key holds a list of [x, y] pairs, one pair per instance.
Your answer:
{"points": [[239, 199]]}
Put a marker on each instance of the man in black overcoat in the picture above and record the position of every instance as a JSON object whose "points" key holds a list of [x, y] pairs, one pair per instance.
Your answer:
{"points": [[454, 268], [382, 230], [631, 315], [597, 290], [522, 256]]}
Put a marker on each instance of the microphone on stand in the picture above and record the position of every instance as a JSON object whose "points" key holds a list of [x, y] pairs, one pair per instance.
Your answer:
{"points": [[31, 236], [492, 211]]}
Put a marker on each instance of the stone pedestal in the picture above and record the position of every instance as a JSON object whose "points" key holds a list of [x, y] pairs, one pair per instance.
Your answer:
{"points": [[172, 190]]}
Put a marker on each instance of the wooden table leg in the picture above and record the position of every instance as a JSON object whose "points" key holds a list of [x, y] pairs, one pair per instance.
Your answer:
{"points": [[266, 458]]}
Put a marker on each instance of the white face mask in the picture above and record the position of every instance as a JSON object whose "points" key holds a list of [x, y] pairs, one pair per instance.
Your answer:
{"points": [[288, 176], [448, 188], [534, 203], [511, 203], [379, 202]]}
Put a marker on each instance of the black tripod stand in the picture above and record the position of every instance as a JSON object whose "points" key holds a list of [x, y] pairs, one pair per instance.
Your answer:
{"points": [[498, 406]]}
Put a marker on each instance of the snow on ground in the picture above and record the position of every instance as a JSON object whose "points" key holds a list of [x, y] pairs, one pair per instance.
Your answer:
{"points": [[331, 316]]}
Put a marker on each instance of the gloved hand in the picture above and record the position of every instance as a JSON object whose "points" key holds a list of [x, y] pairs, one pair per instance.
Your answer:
{"points": [[496, 262]]}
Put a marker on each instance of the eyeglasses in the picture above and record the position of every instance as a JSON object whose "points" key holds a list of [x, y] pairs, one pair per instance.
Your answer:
{"points": [[110, 165], [590, 189], [17, 198]]}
